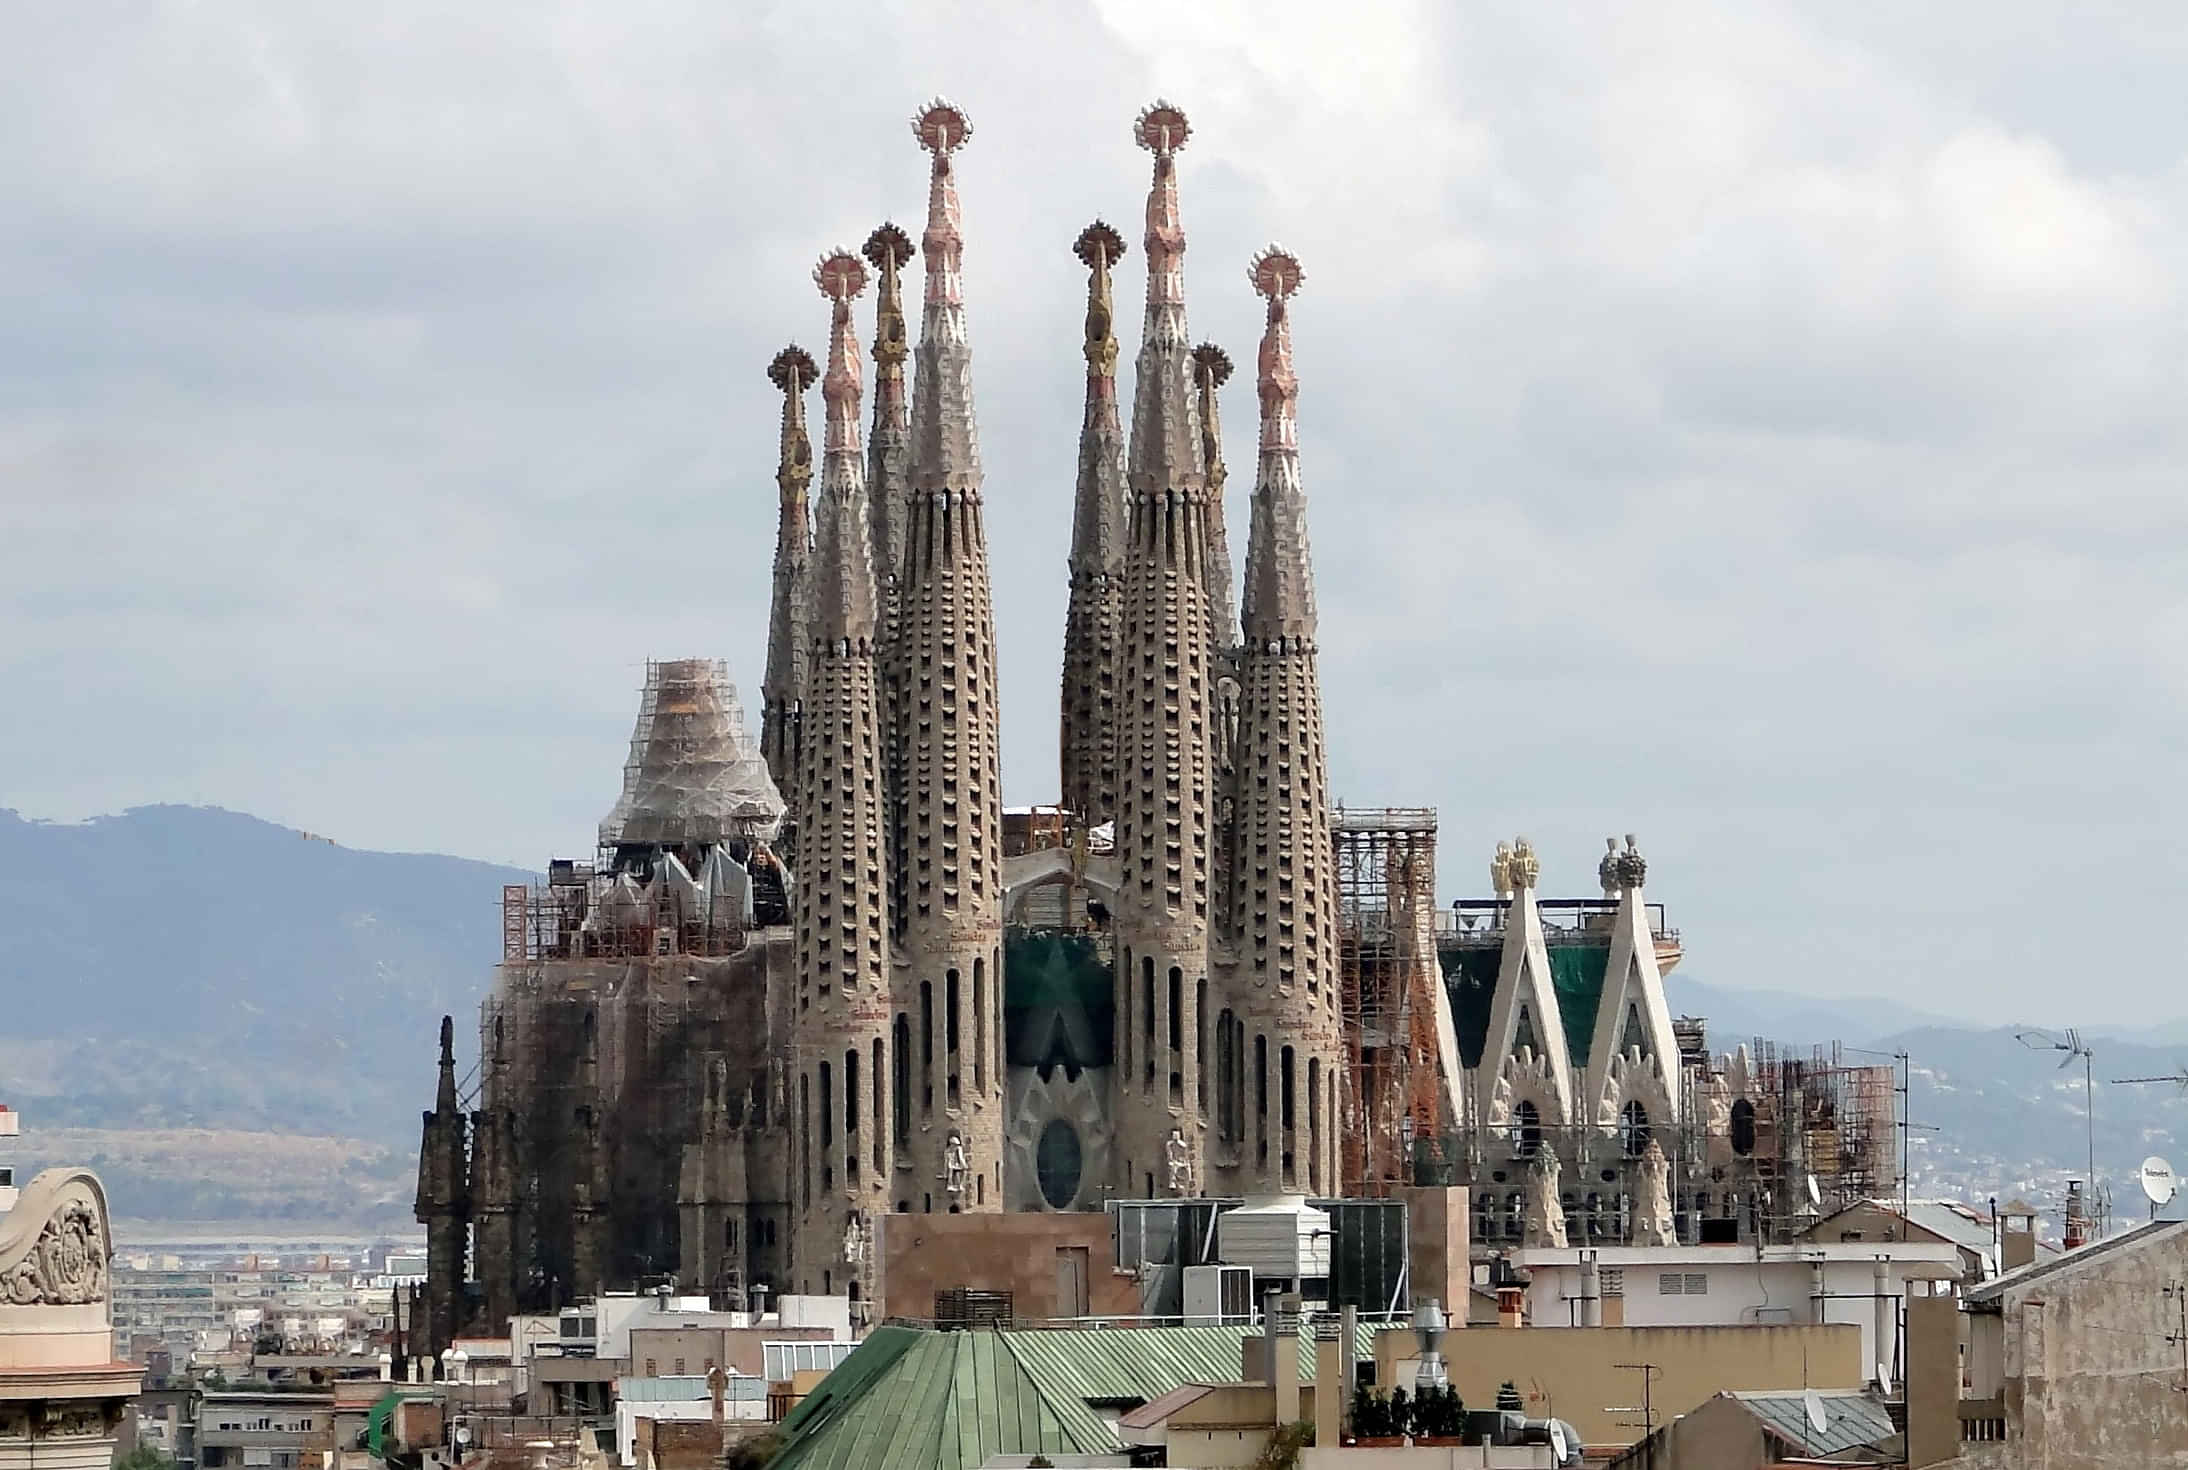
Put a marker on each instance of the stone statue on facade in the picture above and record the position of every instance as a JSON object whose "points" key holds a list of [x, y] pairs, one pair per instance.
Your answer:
{"points": [[1652, 1199], [1178, 1160], [854, 1240], [955, 1166], [1544, 1224]]}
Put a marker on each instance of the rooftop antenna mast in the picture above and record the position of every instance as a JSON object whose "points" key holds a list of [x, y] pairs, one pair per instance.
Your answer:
{"points": [[2072, 1044]]}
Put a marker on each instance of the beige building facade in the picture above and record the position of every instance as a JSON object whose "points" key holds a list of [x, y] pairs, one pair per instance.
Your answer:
{"points": [[62, 1395]]}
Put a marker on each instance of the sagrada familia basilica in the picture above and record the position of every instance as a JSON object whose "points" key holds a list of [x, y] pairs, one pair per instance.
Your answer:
{"points": [[827, 975]]}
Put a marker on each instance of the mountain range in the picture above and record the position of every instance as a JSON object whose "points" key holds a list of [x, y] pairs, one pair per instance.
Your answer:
{"points": [[235, 1021]]}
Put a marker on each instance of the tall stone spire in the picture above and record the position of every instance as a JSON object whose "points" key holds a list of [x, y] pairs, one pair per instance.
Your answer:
{"points": [[949, 827], [844, 1163], [782, 692], [1284, 904], [1092, 621], [1164, 791], [888, 490], [444, 1201], [1211, 370]]}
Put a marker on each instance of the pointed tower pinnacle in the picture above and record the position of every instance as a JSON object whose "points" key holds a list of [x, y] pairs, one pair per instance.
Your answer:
{"points": [[948, 819], [1165, 794], [1211, 370], [1279, 580], [844, 1170], [1284, 904], [1092, 622], [889, 448], [782, 692]]}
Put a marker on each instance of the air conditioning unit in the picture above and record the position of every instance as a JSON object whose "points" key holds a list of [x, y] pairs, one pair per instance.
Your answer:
{"points": [[1219, 1296]]}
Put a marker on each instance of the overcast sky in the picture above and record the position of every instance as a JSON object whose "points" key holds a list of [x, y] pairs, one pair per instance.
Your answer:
{"points": [[1755, 427]]}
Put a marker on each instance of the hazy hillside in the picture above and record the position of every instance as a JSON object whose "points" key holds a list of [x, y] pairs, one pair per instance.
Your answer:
{"points": [[188, 968]]}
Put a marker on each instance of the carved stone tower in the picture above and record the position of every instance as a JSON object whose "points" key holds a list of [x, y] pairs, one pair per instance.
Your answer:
{"points": [[1163, 779], [948, 1032], [888, 495], [843, 1160], [1284, 989], [444, 1199], [1092, 620], [782, 692]]}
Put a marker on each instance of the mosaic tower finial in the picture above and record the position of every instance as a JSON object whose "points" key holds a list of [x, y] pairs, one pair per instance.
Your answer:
{"points": [[1211, 370], [1284, 902], [947, 804], [782, 689], [843, 1152], [1279, 580], [1093, 618]]}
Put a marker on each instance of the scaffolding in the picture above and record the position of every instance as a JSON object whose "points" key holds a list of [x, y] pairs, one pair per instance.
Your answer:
{"points": [[1386, 923]]}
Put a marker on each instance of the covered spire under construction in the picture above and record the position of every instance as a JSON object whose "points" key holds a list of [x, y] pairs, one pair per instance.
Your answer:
{"points": [[1095, 612], [782, 689], [1285, 985], [843, 1159], [1164, 795], [948, 808]]}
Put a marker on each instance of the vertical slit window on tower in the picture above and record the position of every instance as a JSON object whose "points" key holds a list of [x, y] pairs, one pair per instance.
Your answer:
{"points": [[880, 1129], [901, 1080], [1314, 1124], [1147, 1017], [805, 1141], [1286, 1104], [1261, 1099], [979, 1027], [1177, 1037], [850, 1114], [1200, 1045], [926, 1046], [949, 1013]]}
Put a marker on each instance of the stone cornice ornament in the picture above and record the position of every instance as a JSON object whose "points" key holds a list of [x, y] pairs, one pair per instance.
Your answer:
{"points": [[55, 1243]]}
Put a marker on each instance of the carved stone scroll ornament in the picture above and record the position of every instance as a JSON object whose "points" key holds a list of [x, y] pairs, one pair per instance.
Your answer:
{"points": [[65, 1263]]}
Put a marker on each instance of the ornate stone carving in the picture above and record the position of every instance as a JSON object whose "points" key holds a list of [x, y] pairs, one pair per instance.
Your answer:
{"points": [[1525, 868], [1545, 1220], [66, 1266], [1178, 1162], [1606, 871], [1500, 870], [1652, 1198], [1633, 869]]}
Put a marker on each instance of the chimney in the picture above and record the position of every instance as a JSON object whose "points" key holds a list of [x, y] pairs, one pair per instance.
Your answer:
{"points": [[1933, 1379], [1284, 1361], [1511, 1306], [1591, 1291]]}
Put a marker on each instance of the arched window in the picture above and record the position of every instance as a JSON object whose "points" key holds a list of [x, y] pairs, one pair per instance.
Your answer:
{"points": [[1633, 1129], [1526, 1129], [1743, 1127]]}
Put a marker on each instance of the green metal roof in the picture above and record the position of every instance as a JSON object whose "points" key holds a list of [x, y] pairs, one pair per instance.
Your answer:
{"points": [[947, 1400], [932, 1401], [1576, 974]]}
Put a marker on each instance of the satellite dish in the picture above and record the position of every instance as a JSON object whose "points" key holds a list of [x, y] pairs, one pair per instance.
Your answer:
{"points": [[1884, 1380], [2158, 1181], [1815, 1195], [1814, 1405]]}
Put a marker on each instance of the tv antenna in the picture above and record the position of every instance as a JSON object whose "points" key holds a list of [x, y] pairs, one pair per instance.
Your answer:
{"points": [[2070, 1042]]}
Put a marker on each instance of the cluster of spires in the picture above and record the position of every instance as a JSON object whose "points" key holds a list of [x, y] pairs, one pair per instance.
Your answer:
{"points": [[1197, 734]]}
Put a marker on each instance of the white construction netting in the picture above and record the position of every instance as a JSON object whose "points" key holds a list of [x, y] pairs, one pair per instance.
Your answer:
{"points": [[694, 775]]}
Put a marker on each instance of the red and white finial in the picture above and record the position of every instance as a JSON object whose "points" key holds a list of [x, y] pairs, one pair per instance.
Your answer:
{"points": [[1162, 129], [841, 277], [942, 128], [1276, 277]]}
